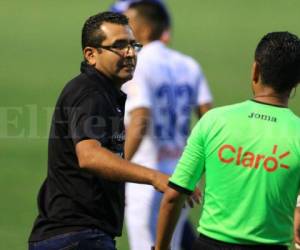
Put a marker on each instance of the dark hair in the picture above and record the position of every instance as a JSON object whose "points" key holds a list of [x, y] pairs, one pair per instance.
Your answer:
{"points": [[155, 14], [278, 58], [92, 35]]}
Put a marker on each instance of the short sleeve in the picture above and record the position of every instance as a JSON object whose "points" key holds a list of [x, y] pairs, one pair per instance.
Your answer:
{"points": [[192, 162], [88, 119], [138, 94], [203, 95], [298, 201]]}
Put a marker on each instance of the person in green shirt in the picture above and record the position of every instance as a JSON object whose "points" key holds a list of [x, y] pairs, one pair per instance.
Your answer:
{"points": [[250, 155]]}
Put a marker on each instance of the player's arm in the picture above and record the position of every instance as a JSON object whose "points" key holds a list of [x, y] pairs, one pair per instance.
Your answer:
{"points": [[135, 131], [182, 183], [203, 108], [138, 106], [297, 224], [95, 158], [204, 96], [169, 213], [87, 126]]}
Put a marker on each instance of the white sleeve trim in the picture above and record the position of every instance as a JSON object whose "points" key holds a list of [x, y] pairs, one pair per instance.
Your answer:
{"points": [[204, 94], [298, 201]]}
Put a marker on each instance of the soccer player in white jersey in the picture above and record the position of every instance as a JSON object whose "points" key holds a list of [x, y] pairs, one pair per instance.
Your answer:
{"points": [[166, 88]]}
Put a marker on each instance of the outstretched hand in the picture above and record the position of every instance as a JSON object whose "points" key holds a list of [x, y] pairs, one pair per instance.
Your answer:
{"points": [[160, 181]]}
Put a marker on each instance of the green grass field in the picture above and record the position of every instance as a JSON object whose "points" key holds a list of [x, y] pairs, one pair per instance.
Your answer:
{"points": [[40, 52]]}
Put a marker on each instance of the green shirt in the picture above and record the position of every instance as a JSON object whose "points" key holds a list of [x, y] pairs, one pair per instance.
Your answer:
{"points": [[250, 155]]}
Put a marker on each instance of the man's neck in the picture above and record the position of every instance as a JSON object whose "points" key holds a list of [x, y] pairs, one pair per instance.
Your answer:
{"points": [[117, 82], [272, 98], [267, 94]]}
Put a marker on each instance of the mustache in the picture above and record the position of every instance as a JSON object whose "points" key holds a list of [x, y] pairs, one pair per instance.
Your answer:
{"points": [[126, 62]]}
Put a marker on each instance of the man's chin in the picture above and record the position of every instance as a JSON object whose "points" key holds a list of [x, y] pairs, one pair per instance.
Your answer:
{"points": [[126, 76]]}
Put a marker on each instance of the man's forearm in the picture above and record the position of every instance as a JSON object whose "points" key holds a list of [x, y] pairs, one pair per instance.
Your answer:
{"points": [[297, 223], [111, 166], [169, 213], [93, 157]]}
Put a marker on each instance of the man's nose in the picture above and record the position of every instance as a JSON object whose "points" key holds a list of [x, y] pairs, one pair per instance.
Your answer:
{"points": [[130, 51]]}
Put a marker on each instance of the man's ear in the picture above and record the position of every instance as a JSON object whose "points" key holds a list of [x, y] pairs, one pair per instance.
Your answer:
{"points": [[145, 33], [89, 55], [255, 72], [166, 36]]}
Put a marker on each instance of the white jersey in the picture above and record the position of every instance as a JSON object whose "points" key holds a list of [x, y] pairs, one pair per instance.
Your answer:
{"points": [[171, 85]]}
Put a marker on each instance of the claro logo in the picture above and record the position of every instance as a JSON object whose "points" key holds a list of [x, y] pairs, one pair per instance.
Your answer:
{"points": [[229, 154]]}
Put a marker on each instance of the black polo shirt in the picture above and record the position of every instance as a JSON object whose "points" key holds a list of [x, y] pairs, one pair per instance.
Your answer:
{"points": [[71, 199]]}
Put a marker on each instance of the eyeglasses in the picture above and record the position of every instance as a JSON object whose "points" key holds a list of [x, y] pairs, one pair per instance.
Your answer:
{"points": [[122, 45]]}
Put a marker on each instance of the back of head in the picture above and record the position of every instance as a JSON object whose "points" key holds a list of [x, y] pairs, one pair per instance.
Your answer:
{"points": [[121, 6], [278, 59], [155, 15], [92, 35]]}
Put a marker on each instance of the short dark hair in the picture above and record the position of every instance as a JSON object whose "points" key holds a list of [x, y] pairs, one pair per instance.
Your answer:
{"points": [[278, 57], [92, 35], [155, 14]]}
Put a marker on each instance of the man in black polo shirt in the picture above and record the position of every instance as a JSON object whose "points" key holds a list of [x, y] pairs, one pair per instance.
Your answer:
{"points": [[81, 202]]}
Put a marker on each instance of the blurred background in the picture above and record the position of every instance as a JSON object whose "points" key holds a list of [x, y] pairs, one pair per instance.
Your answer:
{"points": [[40, 51]]}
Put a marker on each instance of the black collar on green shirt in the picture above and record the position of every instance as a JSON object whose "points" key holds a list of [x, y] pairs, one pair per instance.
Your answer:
{"points": [[270, 104], [105, 82]]}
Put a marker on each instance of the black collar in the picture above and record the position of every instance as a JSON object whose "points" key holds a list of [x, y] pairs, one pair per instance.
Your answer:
{"points": [[270, 104], [103, 81]]}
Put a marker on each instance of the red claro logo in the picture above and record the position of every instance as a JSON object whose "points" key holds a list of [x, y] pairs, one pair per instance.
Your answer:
{"points": [[229, 154]]}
